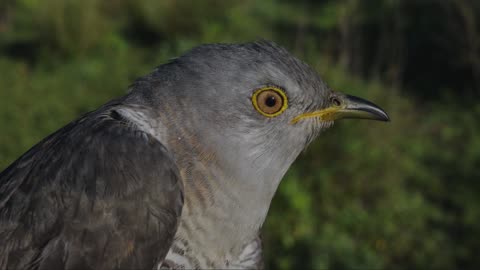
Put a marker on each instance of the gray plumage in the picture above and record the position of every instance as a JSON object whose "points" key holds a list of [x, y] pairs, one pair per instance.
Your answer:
{"points": [[107, 191]]}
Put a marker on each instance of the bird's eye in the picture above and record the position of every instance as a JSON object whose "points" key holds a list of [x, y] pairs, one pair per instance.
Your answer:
{"points": [[270, 101]]}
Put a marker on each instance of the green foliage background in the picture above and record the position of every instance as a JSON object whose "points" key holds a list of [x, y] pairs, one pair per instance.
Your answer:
{"points": [[365, 195]]}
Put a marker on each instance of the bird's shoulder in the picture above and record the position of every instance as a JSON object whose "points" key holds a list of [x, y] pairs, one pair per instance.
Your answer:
{"points": [[102, 146], [99, 183]]}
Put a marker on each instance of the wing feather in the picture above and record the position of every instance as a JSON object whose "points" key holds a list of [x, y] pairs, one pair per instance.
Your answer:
{"points": [[97, 194]]}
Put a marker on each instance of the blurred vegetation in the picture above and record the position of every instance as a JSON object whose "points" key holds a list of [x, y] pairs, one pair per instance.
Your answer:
{"points": [[403, 195]]}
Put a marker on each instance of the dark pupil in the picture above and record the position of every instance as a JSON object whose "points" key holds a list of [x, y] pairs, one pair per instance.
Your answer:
{"points": [[270, 101]]}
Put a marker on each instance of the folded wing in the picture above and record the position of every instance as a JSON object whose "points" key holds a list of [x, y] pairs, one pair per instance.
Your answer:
{"points": [[97, 194]]}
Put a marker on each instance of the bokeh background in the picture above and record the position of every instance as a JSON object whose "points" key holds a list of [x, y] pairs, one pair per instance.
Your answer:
{"points": [[366, 195]]}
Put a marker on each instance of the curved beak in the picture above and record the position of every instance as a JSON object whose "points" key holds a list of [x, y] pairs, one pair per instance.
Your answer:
{"points": [[355, 107], [346, 106]]}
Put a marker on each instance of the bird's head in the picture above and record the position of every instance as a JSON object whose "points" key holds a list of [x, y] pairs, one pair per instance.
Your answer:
{"points": [[255, 106]]}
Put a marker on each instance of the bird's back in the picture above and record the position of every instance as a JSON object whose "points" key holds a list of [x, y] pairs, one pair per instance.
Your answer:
{"points": [[97, 194]]}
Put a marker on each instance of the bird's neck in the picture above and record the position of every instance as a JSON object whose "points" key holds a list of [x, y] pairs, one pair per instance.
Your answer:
{"points": [[220, 217], [227, 195], [223, 196]]}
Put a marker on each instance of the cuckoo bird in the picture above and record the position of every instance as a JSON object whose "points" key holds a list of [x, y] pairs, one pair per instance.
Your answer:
{"points": [[179, 172]]}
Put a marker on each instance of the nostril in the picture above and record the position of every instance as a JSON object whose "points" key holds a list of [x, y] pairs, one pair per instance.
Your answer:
{"points": [[335, 101]]}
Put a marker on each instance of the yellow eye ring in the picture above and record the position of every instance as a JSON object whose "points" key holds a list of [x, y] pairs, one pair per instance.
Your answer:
{"points": [[270, 101]]}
